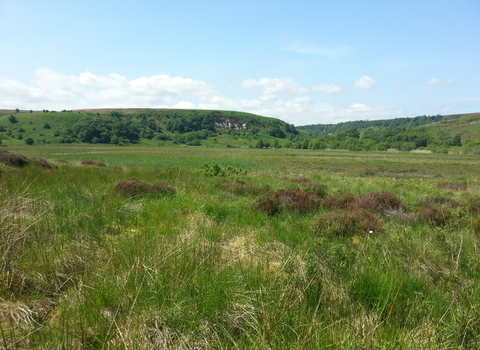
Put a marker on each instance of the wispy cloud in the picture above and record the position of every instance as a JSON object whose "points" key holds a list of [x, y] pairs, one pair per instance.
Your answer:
{"points": [[327, 88], [365, 82], [437, 81], [273, 88], [433, 81], [306, 49]]}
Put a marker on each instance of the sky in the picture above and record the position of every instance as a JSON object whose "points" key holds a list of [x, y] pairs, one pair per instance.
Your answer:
{"points": [[303, 61]]}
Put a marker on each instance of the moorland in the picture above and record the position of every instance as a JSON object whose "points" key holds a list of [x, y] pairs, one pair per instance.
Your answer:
{"points": [[168, 246]]}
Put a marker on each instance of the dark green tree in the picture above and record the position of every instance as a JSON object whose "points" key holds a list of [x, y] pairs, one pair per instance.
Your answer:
{"points": [[12, 119], [29, 141]]}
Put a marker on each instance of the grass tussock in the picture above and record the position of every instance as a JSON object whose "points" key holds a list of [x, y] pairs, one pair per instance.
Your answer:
{"points": [[271, 203], [13, 159], [42, 163], [134, 187], [344, 223], [452, 186], [434, 216], [340, 261], [92, 163]]}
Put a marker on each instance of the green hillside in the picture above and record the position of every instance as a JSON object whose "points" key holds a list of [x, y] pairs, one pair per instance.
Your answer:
{"points": [[326, 129], [147, 126]]}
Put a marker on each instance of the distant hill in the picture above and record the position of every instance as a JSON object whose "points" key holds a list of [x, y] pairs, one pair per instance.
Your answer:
{"points": [[130, 126], [361, 125]]}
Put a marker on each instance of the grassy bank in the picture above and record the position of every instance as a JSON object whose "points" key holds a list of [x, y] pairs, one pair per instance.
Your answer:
{"points": [[257, 249]]}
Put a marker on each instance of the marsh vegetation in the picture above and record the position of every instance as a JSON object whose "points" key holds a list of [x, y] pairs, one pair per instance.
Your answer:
{"points": [[201, 248]]}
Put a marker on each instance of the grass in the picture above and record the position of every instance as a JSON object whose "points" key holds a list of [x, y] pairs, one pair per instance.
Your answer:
{"points": [[83, 267]]}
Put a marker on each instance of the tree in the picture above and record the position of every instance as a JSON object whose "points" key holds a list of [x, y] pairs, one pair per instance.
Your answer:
{"points": [[46, 126], [17, 111], [12, 119], [29, 141]]}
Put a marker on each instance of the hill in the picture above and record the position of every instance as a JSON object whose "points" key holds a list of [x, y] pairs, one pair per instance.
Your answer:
{"points": [[326, 129], [130, 126]]}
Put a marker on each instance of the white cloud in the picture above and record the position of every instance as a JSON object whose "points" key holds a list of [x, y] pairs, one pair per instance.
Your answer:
{"points": [[305, 49], [365, 82], [54, 90], [433, 81], [273, 88], [279, 98], [327, 88], [436, 81]]}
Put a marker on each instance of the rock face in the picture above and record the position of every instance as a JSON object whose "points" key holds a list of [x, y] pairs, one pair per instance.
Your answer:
{"points": [[229, 124]]}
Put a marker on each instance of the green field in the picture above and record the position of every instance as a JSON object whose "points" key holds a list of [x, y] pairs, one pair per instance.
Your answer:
{"points": [[238, 248]]}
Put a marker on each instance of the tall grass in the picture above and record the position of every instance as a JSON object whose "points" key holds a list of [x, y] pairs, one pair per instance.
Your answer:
{"points": [[83, 267]]}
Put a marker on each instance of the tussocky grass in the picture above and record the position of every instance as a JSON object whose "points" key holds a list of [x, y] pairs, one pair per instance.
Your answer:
{"points": [[84, 268]]}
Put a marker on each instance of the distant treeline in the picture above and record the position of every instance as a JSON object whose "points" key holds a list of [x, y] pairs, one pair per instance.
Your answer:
{"points": [[361, 125]]}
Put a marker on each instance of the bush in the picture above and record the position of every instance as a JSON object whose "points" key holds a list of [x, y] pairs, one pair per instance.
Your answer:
{"points": [[133, 187], [215, 169], [297, 200], [91, 162], [344, 223], [378, 201], [316, 188], [42, 163], [434, 216], [294, 200], [339, 201], [268, 203], [13, 159]]}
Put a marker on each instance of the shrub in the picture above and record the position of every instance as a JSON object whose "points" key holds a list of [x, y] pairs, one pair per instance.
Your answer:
{"points": [[434, 216], [339, 201], [215, 169], [268, 203], [133, 187], [316, 188], [378, 201], [42, 163], [344, 223], [297, 200], [13, 159], [91, 162]]}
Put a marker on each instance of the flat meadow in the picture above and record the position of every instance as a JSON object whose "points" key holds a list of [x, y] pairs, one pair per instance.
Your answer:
{"points": [[233, 248]]}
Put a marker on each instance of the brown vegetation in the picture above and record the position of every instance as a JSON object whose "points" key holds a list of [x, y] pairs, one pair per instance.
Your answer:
{"points": [[42, 163], [434, 216], [91, 162], [13, 159], [453, 186], [270, 203], [344, 223]]}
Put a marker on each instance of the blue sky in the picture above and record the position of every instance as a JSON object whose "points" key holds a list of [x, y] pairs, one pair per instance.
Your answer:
{"points": [[305, 62]]}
